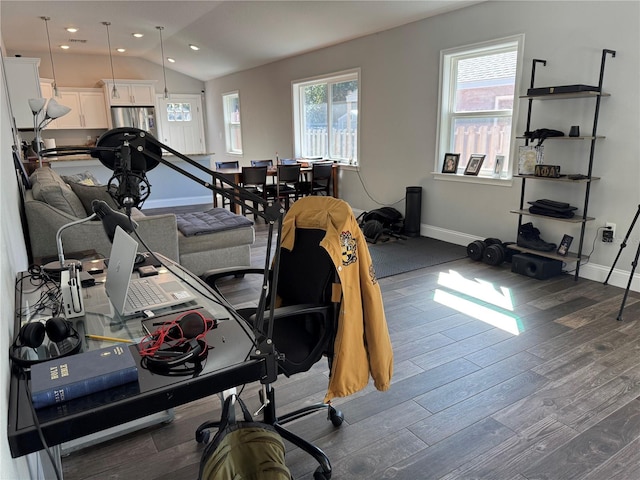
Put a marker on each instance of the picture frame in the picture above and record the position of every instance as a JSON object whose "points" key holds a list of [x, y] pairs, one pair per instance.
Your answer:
{"points": [[450, 163], [563, 248], [528, 157], [474, 164], [497, 167]]}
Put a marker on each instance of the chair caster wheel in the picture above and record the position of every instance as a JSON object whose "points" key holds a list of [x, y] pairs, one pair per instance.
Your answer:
{"points": [[336, 417], [320, 474], [202, 436]]}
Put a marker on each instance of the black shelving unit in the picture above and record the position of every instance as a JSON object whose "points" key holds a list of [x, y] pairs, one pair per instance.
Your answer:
{"points": [[575, 256]]}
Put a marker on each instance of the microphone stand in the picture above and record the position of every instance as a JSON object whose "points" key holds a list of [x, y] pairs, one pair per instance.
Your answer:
{"points": [[136, 141]]}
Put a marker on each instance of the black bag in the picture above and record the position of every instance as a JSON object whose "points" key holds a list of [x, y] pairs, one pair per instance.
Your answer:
{"points": [[385, 220], [246, 450]]}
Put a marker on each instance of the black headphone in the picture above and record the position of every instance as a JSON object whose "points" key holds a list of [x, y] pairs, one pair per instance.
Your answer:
{"points": [[32, 335], [177, 342]]}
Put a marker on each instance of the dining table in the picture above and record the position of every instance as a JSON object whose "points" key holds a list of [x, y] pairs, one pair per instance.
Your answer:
{"points": [[305, 169]]}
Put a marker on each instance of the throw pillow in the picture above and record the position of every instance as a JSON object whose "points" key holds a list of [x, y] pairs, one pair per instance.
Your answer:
{"points": [[88, 193], [85, 178]]}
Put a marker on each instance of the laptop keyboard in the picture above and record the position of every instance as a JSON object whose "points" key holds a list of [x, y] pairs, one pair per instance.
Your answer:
{"points": [[144, 293]]}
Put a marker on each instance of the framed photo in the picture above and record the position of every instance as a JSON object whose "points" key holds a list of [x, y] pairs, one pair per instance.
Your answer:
{"points": [[528, 157], [450, 164], [563, 248], [497, 167], [474, 164]]}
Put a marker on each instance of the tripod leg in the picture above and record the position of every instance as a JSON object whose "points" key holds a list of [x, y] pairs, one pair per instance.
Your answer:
{"points": [[634, 264], [624, 244]]}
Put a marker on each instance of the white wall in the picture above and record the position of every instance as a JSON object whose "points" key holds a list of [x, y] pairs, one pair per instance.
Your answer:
{"points": [[13, 259], [398, 113]]}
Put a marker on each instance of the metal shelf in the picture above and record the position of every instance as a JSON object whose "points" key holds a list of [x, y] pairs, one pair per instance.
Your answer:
{"points": [[576, 219], [570, 257]]}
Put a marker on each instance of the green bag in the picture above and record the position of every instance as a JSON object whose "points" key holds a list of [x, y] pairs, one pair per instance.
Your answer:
{"points": [[243, 450]]}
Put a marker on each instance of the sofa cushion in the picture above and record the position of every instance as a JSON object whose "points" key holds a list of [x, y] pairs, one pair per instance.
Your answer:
{"points": [[88, 193], [49, 187], [211, 221]]}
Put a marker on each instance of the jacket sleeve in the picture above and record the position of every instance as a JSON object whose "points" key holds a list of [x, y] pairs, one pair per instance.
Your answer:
{"points": [[376, 332]]}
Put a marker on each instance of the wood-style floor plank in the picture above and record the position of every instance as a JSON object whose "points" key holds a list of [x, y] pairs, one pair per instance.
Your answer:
{"points": [[558, 399]]}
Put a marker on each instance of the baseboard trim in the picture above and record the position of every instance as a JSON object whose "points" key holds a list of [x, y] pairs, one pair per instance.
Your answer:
{"points": [[590, 271]]}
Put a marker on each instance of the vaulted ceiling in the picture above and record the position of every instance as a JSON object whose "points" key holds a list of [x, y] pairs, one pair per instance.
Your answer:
{"points": [[231, 35]]}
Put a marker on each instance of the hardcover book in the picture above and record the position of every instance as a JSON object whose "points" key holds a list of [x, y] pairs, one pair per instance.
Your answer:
{"points": [[63, 379]]}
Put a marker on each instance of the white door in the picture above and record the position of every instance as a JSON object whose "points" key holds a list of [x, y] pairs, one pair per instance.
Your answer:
{"points": [[180, 123]]}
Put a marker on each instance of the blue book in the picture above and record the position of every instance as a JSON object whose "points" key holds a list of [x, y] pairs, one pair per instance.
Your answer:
{"points": [[63, 379]]}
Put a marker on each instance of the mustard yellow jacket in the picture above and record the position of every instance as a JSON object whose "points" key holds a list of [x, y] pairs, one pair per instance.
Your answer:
{"points": [[362, 345]]}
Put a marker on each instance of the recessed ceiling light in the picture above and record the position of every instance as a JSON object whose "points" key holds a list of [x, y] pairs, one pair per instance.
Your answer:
{"points": [[138, 35], [65, 47], [171, 60], [194, 47], [121, 50], [71, 29]]}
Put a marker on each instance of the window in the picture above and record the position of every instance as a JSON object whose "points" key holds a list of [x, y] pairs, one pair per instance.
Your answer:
{"points": [[178, 112], [233, 133], [477, 98], [325, 117]]}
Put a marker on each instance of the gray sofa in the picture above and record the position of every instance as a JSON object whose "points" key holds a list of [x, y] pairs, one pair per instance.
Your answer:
{"points": [[53, 201]]}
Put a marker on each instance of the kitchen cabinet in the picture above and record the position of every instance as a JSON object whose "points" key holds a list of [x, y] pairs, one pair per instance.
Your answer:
{"points": [[23, 83], [132, 92], [88, 109]]}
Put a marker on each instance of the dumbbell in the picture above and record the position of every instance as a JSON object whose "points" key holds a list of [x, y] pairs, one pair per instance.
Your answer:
{"points": [[476, 249]]}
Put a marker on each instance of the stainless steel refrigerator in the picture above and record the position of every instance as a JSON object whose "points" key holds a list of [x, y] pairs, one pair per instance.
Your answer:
{"points": [[138, 117]]}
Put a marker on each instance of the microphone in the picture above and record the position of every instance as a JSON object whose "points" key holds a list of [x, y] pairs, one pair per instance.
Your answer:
{"points": [[112, 219]]}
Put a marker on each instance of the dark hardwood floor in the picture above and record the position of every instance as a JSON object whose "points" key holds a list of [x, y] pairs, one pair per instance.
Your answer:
{"points": [[497, 376]]}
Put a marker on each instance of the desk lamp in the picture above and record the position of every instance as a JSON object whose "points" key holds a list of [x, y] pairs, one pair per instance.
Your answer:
{"points": [[54, 110]]}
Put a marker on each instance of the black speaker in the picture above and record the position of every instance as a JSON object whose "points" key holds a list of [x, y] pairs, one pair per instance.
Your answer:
{"points": [[412, 211], [536, 267]]}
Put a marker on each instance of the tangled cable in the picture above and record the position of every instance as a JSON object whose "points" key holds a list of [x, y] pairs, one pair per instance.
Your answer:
{"points": [[176, 342]]}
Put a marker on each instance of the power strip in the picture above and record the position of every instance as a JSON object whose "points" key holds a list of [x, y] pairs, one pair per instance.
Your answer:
{"points": [[71, 289]]}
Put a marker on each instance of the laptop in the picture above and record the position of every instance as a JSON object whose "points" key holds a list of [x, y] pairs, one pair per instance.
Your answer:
{"points": [[130, 296]]}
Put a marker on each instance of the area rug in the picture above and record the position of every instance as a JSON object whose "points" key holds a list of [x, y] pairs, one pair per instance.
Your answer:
{"points": [[400, 256]]}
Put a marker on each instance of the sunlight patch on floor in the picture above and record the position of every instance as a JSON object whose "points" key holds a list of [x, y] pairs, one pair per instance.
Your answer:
{"points": [[478, 299]]}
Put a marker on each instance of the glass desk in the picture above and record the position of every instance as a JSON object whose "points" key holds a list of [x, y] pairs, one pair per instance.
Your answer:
{"points": [[227, 365]]}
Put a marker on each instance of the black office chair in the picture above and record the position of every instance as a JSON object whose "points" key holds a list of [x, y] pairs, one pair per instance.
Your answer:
{"points": [[320, 180], [228, 176], [287, 185], [304, 329], [254, 180]]}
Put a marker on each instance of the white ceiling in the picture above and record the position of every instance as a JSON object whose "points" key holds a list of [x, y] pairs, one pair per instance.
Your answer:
{"points": [[232, 35]]}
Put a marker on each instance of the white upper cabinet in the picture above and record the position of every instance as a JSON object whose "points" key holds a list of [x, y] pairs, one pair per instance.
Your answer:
{"points": [[88, 109], [131, 92], [23, 83]]}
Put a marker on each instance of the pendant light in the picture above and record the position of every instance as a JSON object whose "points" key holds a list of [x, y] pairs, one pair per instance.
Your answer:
{"points": [[164, 73], [53, 70], [114, 90]]}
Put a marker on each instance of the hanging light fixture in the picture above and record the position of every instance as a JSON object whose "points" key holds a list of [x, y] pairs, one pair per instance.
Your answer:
{"points": [[114, 90], [164, 73], [53, 70]]}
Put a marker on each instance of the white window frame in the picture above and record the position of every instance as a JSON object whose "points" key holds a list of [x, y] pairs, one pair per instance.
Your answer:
{"points": [[228, 121], [447, 92], [298, 113]]}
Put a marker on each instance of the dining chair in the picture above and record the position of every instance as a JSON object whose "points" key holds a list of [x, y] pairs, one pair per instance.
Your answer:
{"points": [[254, 179], [288, 161], [287, 185], [228, 176], [262, 163], [320, 180]]}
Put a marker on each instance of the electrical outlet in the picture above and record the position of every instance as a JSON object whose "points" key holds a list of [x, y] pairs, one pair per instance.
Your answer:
{"points": [[612, 227], [609, 232]]}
